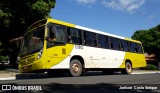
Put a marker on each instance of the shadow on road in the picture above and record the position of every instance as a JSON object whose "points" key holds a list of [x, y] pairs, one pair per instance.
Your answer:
{"points": [[44, 75]]}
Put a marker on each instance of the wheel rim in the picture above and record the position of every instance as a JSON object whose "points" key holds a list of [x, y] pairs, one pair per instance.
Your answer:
{"points": [[76, 68], [129, 68]]}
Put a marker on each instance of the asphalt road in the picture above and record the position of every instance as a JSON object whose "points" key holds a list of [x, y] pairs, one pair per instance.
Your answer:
{"points": [[93, 82]]}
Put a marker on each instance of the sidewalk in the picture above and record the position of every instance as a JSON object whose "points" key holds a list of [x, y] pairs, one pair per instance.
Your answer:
{"points": [[8, 74], [137, 71]]}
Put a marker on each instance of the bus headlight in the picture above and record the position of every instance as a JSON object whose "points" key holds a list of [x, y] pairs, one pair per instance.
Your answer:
{"points": [[40, 54], [18, 58]]}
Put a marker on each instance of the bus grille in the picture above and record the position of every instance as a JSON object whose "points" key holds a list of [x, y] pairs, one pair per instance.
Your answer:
{"points": [[27, 60], [25, 68]]}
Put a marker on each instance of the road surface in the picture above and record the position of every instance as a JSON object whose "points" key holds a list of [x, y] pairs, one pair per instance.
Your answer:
{"points": [[92, 82]]}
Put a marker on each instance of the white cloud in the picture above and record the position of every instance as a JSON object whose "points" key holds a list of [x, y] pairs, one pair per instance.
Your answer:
{"points": [[127, 5], [86, 1]]}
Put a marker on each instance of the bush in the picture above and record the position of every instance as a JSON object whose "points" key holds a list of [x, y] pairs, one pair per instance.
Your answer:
{"points": [[149, 67], [4, 58]]}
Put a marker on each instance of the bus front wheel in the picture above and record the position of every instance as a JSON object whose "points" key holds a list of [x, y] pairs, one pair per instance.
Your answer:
{"points": [[75, 68], [128, 68]]}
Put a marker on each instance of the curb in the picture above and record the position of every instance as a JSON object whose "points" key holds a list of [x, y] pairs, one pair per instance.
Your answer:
{"points": [[12, 70], [145, 72], [8, 78]]}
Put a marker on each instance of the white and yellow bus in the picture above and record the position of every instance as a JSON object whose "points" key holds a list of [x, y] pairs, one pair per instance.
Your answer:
{"points": [[56, 47]]}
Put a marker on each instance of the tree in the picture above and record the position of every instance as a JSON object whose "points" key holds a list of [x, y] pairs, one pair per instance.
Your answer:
{"points": [[16, 16], [150, 39]]}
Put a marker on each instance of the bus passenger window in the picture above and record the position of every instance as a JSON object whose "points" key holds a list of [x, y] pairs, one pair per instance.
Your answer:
{"points": [[60, 34], [133, 47], [74, 36], [70, 39], [124, 45], [103, 41], [51, 38], [140, 48], [90, 39], [114, 42], [56, 35]]}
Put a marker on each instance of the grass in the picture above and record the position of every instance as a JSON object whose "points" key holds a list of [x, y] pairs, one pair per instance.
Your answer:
{"points": [[150, 67]]}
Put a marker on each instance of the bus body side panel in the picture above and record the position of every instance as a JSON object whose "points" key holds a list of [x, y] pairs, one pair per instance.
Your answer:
{"points": [[137, 60], [57, 54], [94, 58], [101, 58]]}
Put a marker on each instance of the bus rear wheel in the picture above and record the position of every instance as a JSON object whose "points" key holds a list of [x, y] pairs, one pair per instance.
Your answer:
{"points": [[128, 69], [75, 68]]}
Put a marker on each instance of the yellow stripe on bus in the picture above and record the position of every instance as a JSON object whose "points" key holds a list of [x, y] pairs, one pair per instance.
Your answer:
{"points": [[128, 39], [61, 23]]}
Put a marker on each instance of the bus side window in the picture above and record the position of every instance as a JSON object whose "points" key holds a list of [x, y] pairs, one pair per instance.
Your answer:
{"points": [[51, 34], [114, 42], [74, 36], [103, 41], [133, 47], [140, 48], [51, 38], [90, 39], [124, 45], [56, 34]]}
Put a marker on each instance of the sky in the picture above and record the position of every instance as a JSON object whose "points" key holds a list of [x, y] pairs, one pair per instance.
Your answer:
{"points": [[119, 17]]}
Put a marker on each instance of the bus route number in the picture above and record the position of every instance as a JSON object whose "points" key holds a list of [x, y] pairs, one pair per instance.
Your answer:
{"points": [[78, 46]]}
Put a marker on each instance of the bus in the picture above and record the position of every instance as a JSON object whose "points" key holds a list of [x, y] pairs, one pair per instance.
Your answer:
{"points": [[57, 47]]}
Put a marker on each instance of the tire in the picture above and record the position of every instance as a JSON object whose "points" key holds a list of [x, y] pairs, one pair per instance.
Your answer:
{"points": [[75, 68], [128, 69]]}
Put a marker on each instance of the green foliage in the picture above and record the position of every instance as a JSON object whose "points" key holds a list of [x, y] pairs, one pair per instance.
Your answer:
{"points": [[17, 15], [149, 67], [150, 39], [4, 58]]}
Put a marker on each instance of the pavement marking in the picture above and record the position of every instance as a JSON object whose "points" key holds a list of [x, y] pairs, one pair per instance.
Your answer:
{"points": [[8, 78]]}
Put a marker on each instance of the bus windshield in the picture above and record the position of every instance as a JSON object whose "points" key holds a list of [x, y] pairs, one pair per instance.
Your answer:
{"points": [[33, 41]]}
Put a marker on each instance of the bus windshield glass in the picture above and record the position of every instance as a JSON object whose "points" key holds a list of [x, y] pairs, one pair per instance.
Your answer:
{"points": [[33, 41]]}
